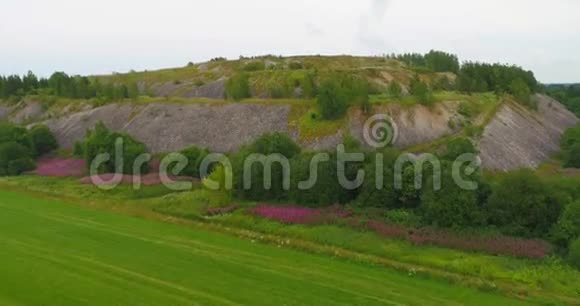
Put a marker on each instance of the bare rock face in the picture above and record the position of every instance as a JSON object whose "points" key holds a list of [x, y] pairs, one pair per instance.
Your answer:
{"points": [[518, 137], [27, 111], [166, 127], [215, 90], [413, 125]]}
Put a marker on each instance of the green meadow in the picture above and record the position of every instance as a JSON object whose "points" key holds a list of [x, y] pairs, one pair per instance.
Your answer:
{"points": [[58, 253]]}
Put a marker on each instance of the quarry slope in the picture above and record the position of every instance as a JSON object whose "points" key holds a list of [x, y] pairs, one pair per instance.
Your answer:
{"points": [[515, 137]]}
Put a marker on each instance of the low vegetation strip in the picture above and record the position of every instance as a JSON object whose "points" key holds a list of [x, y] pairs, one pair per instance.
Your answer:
{"points": [[70, 255]]}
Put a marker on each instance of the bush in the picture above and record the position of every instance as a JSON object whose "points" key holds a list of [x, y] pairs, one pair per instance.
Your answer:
{"points": [[570, 138], [237, 87], [336, 92], [12, 158], [255, 66], [394, 89], [43, 140], [457, 147], [195, 156], [452, 206], [572, 157], [326, 189], [574, 253], [332, 99], [421, 91], [522, 93], [101, 140], [222, 196], [18, 166], [295, 65], [568, 226], [12, 133], [274, 143], [387, 196], [521, 204]]}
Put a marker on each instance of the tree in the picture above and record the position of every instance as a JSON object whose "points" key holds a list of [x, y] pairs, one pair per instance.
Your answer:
{"points": [[101, 140], [521, 91], [568, 226], [274, 144], [572, 157], [574, 253], [440, 61], [332, 99], [457, 147], [237, 87], [421, 91], [14, 158], [521, 204], [394, 89], [452, 206], [195, 156], [43, 140]]}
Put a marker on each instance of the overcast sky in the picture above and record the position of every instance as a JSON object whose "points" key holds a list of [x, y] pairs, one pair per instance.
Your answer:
{"points": [[95, 37]]}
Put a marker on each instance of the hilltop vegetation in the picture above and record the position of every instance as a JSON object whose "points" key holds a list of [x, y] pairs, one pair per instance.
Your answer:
{"points": [[292, 77]]}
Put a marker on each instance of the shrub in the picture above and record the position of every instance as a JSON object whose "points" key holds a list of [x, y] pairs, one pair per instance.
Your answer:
{"points": [[237, 87], [195, 156], [522, 92], [522, 204], [452, 206], [295, 65], [570, 138], [221, 196], [421, 91], [14, 158], [572, 157], [387, 196], [574, 253], [43, 140], [568, 226], [394, 89], [18, 166], [457, 147], [254, 66], [326, 189], [12, 133], [309, 89], [275, 143], [101, 140], [332, 99]]}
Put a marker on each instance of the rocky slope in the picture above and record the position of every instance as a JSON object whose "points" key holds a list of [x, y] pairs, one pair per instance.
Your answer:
{"points": [[518, 137], [515, 137]]}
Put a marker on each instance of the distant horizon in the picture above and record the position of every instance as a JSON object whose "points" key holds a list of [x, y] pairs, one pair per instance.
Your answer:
{"points": [[105, 73]]}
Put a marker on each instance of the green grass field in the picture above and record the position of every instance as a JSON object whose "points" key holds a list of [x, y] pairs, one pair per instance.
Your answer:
{"points": [[56, 253]]}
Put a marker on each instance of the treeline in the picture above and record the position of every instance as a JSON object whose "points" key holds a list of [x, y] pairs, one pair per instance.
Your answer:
{"points": [[569, 95], [62, 85], [482, 77], [19, 147], [437, 61]]}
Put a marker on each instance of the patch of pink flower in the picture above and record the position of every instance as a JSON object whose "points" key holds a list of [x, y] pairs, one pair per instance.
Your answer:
{"points": [[494, 244], [293, 214], [57, 166]]}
